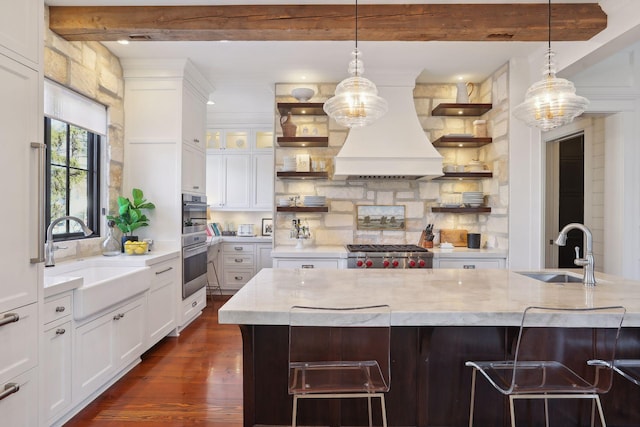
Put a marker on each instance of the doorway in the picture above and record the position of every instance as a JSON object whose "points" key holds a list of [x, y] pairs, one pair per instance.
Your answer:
{"points": [[565, 192]]}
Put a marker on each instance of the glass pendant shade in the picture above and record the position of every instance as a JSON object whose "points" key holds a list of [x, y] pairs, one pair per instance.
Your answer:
{"points": [[550, 102], [356, 102]]}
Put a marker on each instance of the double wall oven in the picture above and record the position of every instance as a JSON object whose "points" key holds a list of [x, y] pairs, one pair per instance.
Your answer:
{"points": [[194, 244]]}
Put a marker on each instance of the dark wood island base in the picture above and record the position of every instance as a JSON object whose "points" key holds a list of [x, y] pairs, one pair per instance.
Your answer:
{"points": [[430, 386]]}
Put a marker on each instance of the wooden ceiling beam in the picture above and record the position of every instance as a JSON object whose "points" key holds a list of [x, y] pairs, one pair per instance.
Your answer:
{"points": [[379, 22]]}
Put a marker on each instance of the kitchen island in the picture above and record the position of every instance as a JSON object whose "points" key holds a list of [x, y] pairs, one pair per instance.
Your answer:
{"points": [[440, 318]]}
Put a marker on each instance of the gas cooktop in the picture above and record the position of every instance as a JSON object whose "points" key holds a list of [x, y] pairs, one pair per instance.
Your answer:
{"points": [[385, 248]]}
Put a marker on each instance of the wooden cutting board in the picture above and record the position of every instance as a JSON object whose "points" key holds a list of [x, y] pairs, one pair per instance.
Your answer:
{"points": [[457, 237]]}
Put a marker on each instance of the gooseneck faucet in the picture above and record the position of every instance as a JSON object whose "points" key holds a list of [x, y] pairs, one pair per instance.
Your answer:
{"points": [[589, 278], [50, 247]]}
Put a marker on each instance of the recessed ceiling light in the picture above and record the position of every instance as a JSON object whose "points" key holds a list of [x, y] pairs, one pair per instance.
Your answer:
{"points": [[123, 41]]}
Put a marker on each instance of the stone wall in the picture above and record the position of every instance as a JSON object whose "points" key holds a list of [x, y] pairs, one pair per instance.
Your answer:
{"points": [[338, 226], [92, 70]]}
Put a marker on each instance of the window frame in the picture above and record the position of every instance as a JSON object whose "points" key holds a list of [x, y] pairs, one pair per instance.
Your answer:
{"points": [[94, 148]]}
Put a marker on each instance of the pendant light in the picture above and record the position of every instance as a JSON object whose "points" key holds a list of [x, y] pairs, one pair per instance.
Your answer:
{"points": [[552, 101], [356, 102]]}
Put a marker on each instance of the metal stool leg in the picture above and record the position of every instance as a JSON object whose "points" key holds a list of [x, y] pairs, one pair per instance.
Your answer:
{"points": [[294, 414], [512, 410], [473, 396], [384, 411]]}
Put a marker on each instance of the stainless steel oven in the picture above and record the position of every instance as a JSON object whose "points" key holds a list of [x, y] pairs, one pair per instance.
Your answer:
{"points": [[194, 263], [194, 213]]}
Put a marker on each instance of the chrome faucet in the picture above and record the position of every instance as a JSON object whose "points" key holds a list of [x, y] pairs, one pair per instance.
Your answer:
{"points": [[50, 247], [589, 278]]}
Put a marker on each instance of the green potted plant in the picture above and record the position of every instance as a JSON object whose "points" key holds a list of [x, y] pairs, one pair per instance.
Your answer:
{"points": [[130, 216]]}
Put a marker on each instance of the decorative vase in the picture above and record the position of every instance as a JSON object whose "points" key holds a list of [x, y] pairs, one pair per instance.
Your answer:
{"points": [[288, 127], [110, 246], [124, 240], [464, 92]]}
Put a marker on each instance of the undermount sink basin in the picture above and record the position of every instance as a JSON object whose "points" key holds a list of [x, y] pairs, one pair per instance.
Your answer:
{"points": [[103, 285], [552, 277]]}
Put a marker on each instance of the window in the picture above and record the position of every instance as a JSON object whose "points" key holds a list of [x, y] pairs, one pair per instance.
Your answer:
{"points": [[73, 178]]}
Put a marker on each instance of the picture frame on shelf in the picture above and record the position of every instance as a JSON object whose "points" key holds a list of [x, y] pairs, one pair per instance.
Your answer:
{"points": [[376, 217], [267, 226]]}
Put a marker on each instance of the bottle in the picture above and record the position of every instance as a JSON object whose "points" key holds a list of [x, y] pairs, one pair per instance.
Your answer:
{"points": [[110, 246]]}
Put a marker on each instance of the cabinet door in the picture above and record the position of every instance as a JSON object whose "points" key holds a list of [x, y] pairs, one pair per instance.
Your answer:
{"points": [[237, 181], [129, 330], [19, 408], [57, 370], [194, 118], [94, 355], [18, 342], [20, 30], [263, 181], [263, 251], [193, 170], [21, 124], [161, 307], [215, 180]]}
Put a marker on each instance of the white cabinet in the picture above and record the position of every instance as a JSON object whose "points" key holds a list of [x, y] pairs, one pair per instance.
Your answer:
{"points": [[238, 261], [469, 263], [106, 345], [17, 409], [21, 30], [192, 307], [19, 338], [57, 363], [239, 170], [161, 297], [193, 169], [194, 117]]}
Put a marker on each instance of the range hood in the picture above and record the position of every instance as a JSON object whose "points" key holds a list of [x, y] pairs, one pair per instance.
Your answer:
{"points": [[393, 147]]}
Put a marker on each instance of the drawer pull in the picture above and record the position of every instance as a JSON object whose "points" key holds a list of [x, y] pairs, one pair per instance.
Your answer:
{"points": [[118, 316], [9, 318], [193, 304], [60, 309], [307, 266], [9, 389], [237, 248], [238, 277], [60, 331], [163, 271], [469, 266], [238, 260]]}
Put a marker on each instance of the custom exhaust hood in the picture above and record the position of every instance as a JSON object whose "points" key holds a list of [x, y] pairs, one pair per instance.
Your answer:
{"points": [[393, 147]]}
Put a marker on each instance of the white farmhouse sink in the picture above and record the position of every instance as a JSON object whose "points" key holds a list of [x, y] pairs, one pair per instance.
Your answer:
{"points": [[103, 285]]}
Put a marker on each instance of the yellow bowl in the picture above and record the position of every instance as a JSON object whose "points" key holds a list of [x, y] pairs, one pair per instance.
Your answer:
{"points": [[135, 248]]}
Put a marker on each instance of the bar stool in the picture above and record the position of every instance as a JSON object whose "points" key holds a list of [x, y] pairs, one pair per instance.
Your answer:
{"points": [[532, 373], [628, 368], [339, 353]]}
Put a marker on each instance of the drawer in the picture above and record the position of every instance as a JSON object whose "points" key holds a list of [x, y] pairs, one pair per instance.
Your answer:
{"points": [[163, 273], [238, 248], [19, 342], [471, 263], [306, 263], [194, 304], [17, 409], [57, 308], [236, 278], [239, 260]]}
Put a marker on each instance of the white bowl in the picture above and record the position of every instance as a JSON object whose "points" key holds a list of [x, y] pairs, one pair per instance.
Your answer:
{"points": [[303, 94]]}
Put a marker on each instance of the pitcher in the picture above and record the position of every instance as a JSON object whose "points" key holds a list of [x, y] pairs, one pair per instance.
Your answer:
{"points": [[288, 127], [464, 92]]}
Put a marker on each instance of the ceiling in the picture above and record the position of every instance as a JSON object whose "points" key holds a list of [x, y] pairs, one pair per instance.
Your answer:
{"points": [[244, 72]]}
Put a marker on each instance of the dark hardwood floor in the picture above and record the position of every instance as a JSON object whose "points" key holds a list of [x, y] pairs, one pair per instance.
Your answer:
{"points": [[194, 379]]}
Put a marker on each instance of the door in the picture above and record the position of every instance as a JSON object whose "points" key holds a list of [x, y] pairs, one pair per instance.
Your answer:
{"points": [[564, 198]]}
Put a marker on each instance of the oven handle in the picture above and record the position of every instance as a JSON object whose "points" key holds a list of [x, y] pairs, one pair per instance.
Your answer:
{"points": [[194, 250], [202, 206]]}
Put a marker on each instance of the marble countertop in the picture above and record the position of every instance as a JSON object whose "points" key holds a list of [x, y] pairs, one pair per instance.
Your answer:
{"points": [[437, 297]]}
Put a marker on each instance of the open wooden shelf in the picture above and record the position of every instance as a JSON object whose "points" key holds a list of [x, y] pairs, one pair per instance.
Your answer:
{"points": [[303, 141], [301, 108], [453, 109], [466, 175], [302, 208], [303, 175], [481, 209], [461, 142]]}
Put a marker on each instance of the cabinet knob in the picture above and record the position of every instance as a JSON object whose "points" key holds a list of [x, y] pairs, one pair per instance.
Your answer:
{"points": [[60, 331], [196, 187], [193, 304], [196, 140], [307, 265], [60, 309], [237, 248], [238, 260], [469, 266], [238, 277]]}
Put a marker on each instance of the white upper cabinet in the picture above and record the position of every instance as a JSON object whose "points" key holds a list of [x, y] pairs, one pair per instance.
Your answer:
{"points": [[262, 181], [20, 30], [193, 170], [194, 118]]}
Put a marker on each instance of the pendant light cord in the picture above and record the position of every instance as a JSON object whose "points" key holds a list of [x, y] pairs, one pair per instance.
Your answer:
{"points": [[357, 23], [548, 28], [549, 39]]}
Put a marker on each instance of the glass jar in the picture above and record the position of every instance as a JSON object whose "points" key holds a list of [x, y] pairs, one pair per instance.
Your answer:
{"points": [[110, 246]]}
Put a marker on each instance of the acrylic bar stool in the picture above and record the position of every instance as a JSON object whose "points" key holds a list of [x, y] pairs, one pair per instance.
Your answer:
{"points": [[339, 353], [628, 368], [532, 374]]}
